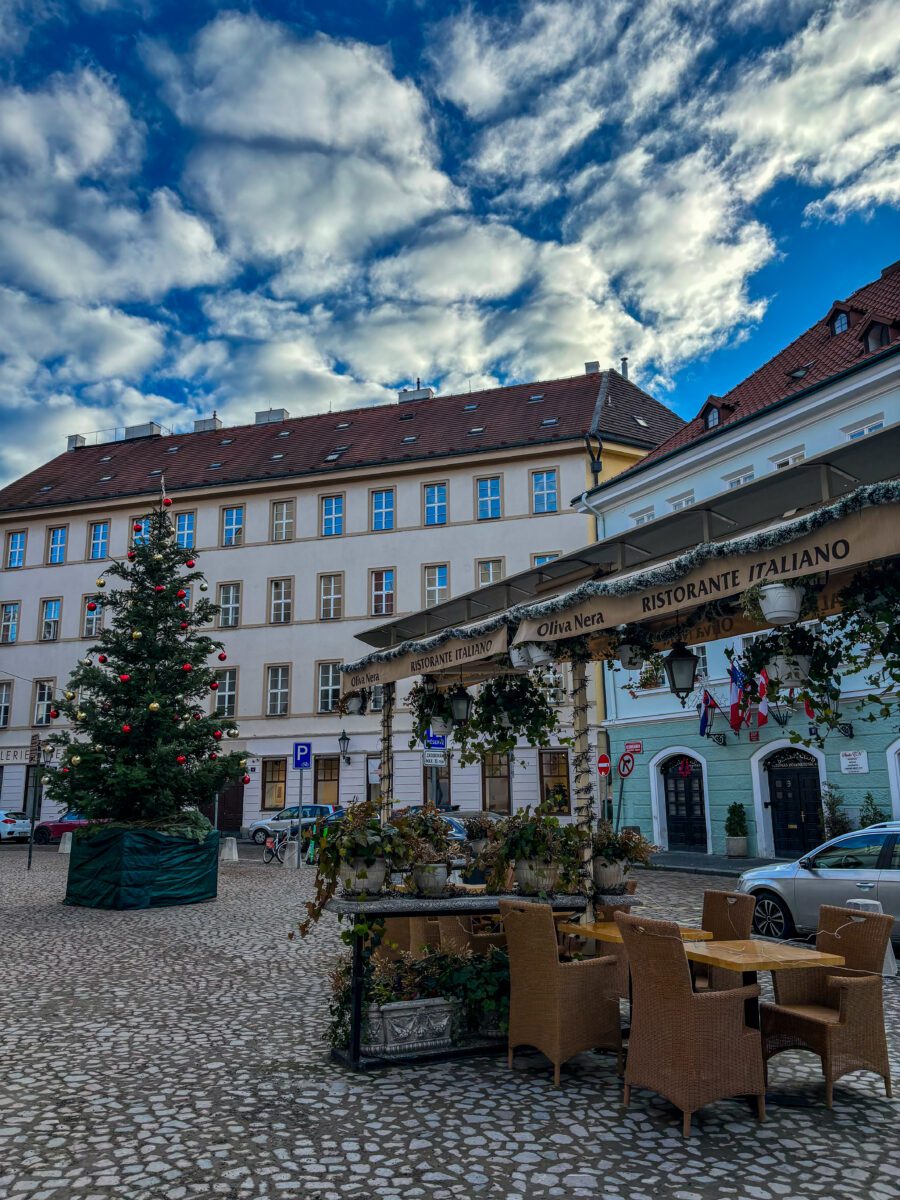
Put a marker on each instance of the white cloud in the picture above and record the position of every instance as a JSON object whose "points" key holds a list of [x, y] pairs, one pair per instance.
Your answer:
{"points": [[878, 183]]}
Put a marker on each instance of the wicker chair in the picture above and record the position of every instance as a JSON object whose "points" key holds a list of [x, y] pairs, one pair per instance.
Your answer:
{"points": [[691, 1047], [728, 916], [559, 1008], [457, 935], [836, 1012]]}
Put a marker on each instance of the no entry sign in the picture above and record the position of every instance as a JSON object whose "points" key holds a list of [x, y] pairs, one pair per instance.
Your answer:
{"points": [[604, 766], [626, 765]]}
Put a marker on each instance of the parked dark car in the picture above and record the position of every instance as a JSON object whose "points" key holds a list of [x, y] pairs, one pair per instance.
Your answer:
{"points": [[51, 831]]}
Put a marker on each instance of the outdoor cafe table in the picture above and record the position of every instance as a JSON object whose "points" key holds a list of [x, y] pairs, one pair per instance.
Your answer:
{"points": [[609, 931], [414, 906]]}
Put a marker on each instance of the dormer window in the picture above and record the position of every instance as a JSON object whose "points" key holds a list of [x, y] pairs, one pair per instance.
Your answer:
{"points": [[877, 336], [712, 418], [840, 323]]}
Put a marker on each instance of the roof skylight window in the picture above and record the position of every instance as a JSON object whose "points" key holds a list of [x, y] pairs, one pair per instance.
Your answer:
{"points": [[406, 415], [477, 429], [214, 466], [411, 437], [641, 421], [283, 433], [275, 456], [550, 421], [172, 449], [155, 471], [106, 458], [536, 399], [801, 371], [105, 478], [226, 441], [47, 487], [343, 424], [469, 407]]}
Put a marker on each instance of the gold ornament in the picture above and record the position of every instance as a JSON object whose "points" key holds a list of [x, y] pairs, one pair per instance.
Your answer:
{"points": [[157, 558], [153, 706], [70, 695], [136, 635], [46, 779], [85, 662], [100, 582], [97, 749], [242, 762], [80, 715], [75, 760]]}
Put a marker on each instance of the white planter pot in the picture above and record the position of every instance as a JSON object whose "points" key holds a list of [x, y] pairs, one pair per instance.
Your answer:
{"points": [[430, 878], [630, 657], [608, 875], [790, 672], [534, 877], [539, 656], [477, 845], [358, 879], [410, 1026], [441, 727], [736, 847], [354, 706], [780, 603], [520, 657]]}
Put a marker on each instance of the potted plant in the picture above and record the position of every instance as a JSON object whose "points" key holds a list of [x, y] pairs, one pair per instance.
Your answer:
{"points": [[431, 709], [633, 646], [478, 827], [353, 703], [509, 708], [652, 673], [736, 831], [614, 853], [429, 849], [520, 657], [143, 753], [542, 851]]}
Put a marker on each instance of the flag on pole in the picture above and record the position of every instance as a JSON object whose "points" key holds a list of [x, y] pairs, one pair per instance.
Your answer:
{"points": [[707, 705], [762, 710], [808, 708], [735, 697]]}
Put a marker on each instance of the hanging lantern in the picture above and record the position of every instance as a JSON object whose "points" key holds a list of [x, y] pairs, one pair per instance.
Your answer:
{"points": [[681, 671], [461, 703]]}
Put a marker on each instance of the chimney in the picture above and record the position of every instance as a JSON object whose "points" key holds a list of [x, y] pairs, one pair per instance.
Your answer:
{"points": [[592, 368], [150, 429], [75, 441], [207, 424], [418, 393], [623, 367], [272, 416]]}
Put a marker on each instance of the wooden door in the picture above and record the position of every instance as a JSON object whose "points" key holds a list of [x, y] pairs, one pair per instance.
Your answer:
{"points": [[685, 804], [795, 802], [231, 809]]}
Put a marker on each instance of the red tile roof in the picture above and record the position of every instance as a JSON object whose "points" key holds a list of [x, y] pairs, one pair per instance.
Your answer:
{"points": [[824, 354], [441, 426]]}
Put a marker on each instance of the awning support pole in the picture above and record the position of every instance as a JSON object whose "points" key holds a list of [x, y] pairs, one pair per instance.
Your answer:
{"points": [[387, 750], [581, 762]]}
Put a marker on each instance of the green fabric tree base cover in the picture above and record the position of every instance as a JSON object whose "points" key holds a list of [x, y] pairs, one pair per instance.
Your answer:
{"points": [[141, 868]]}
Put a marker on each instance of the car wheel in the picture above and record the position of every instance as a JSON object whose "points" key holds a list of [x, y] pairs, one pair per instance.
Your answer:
{"points": [[259, 836], [41, 837], [772, 917]]}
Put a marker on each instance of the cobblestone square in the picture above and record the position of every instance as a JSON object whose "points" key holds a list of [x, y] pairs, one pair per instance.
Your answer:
{"points": [[179, 1053]]}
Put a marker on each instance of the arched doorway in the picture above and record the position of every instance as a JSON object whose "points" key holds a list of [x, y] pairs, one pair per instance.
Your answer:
{"points": [[795, 801], [682, 778]]}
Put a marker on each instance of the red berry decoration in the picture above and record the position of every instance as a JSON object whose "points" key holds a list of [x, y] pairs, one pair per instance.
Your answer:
{"points": [[214, 756], [167, 503], [124, 678], [181, 593], [159, 588], [91, 606], [246, 779], [126, 729], [214, 687], [190, 563], [222, 656], [101, 658], [181, 759], [217, 734], [54, 713], [186, 667], [131, 556]]}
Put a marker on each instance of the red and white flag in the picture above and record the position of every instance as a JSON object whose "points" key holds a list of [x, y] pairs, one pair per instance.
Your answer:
{"points": [[762, 711]]}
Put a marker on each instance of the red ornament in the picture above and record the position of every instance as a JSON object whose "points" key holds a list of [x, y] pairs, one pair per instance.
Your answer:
{"points": [[182, 605], [246, 779], [124, 678], [214, 756], [159, 588], [186, 667], [217, 734], [65, 770], [167, 502], [181, 759], [91, 606], [54, 713], [181, 593], [214, 687], [184, 625], [198, 716], [137, 527], [126, 729], [222, 656], [101, 658], [131, 556], [190, 563]]}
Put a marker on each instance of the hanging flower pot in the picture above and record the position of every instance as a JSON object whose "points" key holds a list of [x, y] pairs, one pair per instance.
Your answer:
{"points": [[441, 726], [780, 603], [789, 671], [540, 656], [631, 656], [354, 705], [520, 657]]}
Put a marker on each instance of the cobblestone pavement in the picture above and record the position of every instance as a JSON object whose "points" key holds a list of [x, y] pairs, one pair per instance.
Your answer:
{"points": [[178, 1053]]}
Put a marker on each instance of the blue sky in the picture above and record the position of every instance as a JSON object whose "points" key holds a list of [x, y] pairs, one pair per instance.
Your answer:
{"points": [[308, 205]]}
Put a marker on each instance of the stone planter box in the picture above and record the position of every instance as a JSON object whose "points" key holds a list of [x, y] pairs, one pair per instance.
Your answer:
{"points": [[362, 879], [141, 868], [534, 877], [430, 879], [736, 847], [410, 1027]]}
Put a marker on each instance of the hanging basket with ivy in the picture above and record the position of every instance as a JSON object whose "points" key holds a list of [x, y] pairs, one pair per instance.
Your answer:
{"points": [[510, 707]]}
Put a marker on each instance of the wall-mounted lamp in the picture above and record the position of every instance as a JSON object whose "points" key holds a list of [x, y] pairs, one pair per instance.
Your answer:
{"points": [[344, 747]]}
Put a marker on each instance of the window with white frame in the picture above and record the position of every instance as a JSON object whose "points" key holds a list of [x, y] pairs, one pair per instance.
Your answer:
{"points": [[91, 618], [436, 591], [490, 570], [331, 597], [332, 516], [383, 510], [544, 491], [712, 418], [283, 521], [5, 702], [233, 525], [43, 701], [789, 459], [9, 622], [685, 500], [539, 559], [281, 601], [184, 530], [278, 691], [328, 687], [226, 695], [376, 697], [490, 507], [435, 504], [382, 588], [141, 535], [15, 550], [229, 605], [50, 615], [644, 515], [739, 478], [703, 663], [864, 429], [56, 544], [99, 542], [841, 323]]}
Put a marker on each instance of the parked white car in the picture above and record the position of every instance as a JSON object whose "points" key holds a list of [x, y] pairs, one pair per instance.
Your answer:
{"points": [[285, 818], [13, 825]]}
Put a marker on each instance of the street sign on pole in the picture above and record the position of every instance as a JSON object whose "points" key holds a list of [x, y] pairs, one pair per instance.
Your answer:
{"points": [[302, 756], [604, 766], [634, 747], [626, 765], [435, 758], [435, 741]]}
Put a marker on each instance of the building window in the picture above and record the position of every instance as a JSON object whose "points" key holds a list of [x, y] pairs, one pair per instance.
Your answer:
{"points": [[554, 765], [184, 530], [382, 592], [436, 781], [436, 591], [685, 500], [332, 516], [840, 323], [879, 335], [43, 701], [278, 691], [56, 545], [233, 525], [488, 571], [226, 696], [5, 703], [435, 504], [644, 516], [544, 492], [50, 614], [495, 779], [15, 550], [141, 535], [283, 521], [376, 697], [331, 597], [738, 480], [861, 431], [788, 460], [9, 622], [703, 661], [91, 619], [99, 544], [712, 418], [328, 687], [229, 605], [274, 779], [538, 560], [326, 779], [383, 510], [489, 506], [281, 601]]}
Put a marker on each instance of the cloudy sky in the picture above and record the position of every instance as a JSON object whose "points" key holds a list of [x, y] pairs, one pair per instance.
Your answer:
{"points": [[306, 205]]}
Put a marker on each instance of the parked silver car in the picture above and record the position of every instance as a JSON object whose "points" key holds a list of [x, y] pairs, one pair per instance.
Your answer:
{"points": [[864, 864], [285, 818]]}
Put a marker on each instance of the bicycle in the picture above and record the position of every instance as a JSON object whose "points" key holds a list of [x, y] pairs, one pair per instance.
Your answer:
{"points": [[275, 844]]}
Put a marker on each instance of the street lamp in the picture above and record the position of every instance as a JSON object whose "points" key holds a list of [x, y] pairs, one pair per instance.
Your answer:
{"points": [[681, 671], [461, 703], [344, 747]]}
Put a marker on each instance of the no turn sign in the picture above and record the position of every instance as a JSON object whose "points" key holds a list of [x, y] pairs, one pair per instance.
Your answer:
{"points": [[604, 766], [626, 765]]}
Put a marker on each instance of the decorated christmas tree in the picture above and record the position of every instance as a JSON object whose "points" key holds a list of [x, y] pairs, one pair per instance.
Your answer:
{"points": [[143, 746]]}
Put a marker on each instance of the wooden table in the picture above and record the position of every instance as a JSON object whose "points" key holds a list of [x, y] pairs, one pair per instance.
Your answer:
{"points": [[608, 931]]}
